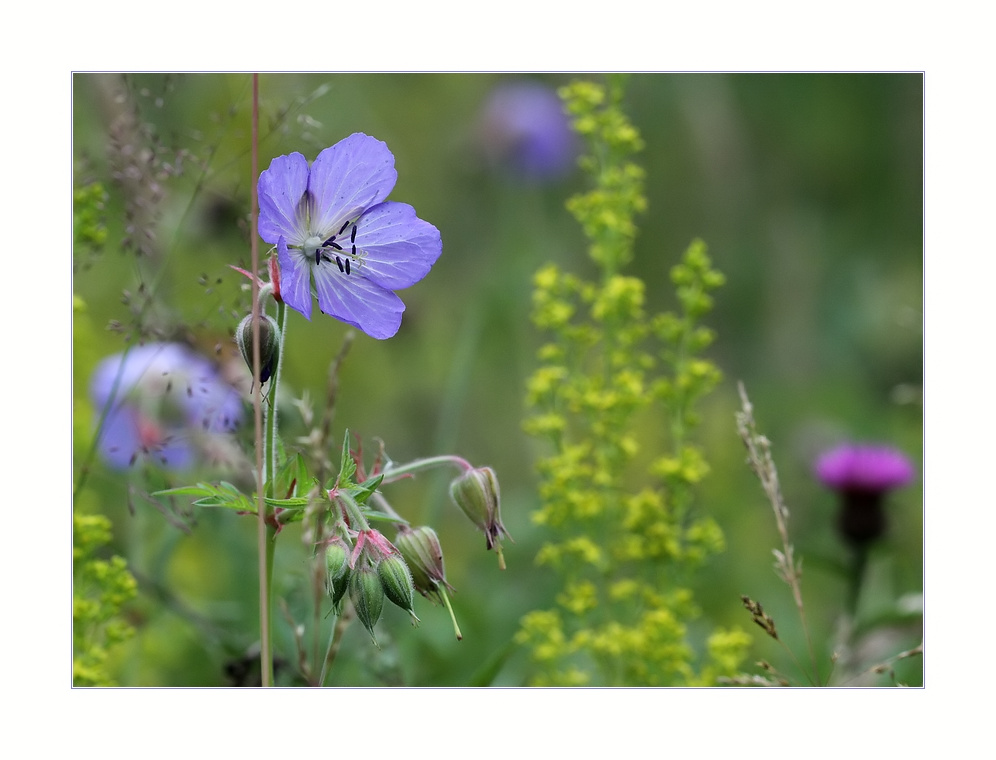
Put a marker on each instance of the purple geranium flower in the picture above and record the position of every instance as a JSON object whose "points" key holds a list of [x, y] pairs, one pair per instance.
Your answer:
{"points": [[170, 407], [330, 220], [525, 129], [862, 475]]}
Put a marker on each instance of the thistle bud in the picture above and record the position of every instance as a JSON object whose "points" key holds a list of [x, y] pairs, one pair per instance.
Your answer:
{"points": [[397, 582], [269, 344], [367, 594], [476, 493]]}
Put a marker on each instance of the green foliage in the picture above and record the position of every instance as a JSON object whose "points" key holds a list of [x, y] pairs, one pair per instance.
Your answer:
{"points": [[89, 228], [615, 396], [101, 587]]}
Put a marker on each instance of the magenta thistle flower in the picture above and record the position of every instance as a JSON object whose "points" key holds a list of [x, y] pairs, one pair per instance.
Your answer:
{"points": [[169, 407], [862, 475], [331, 225], [864, 468]]}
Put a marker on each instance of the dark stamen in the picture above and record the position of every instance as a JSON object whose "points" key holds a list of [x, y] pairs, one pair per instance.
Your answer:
{"points": [[354, 250], [347, 266], [339, 262], [344, 226], [352, 235], [336, 245], [318, 257]]}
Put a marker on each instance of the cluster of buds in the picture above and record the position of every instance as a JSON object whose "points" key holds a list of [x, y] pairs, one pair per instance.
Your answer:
{"points": [[360, 561], [373, 571]]}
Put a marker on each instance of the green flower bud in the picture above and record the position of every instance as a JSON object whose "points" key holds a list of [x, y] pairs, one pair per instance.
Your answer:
{"points": [[336, 558], [367, 594], [421, 551], [476, 493], [269, 344], [397, 582], [424, 557], [337, 590], [336, 570]]}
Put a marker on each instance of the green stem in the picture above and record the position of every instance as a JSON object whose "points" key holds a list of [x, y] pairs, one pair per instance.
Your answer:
{"points": [[856, 579], [264, 540], [269, 484], [335, 640], [266, 614], [394, 472], [270, 449]]}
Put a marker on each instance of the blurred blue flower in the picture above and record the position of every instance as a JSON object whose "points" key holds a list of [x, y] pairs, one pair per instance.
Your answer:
{"points": [[525, 129], [170, 407], [330, 220]]}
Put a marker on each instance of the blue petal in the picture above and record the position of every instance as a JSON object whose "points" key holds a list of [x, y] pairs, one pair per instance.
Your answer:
{"points": [[281, 188], [295, 278], [400, 248], [354, 174], [122, 372], [357, 301], [120, 438]]}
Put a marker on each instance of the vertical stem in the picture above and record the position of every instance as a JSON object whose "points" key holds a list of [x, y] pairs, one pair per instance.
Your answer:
{"points": [[859, 562], [273, 421], [264, 544], [268, 533]]}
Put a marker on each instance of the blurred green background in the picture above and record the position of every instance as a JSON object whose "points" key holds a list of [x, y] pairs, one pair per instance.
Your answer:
{"points": [[807, 189]]}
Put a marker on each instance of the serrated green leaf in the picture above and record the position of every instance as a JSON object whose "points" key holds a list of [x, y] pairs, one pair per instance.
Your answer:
{"points": [[197, 490], [363, 491], [347, 467], [239, 505]]}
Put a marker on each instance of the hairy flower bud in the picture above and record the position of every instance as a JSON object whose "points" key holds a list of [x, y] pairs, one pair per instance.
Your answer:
{"points": [[397, 582], [476, 493], [336, 570], [367, 594], [269, 344], [337, 590], [424, 556], [336, 558]]}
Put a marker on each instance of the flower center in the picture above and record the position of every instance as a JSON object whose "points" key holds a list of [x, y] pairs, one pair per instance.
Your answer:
{"points": [[339, 248], [312, 245]]}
